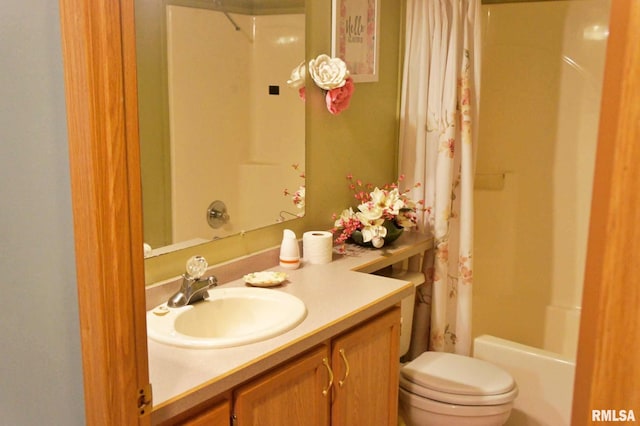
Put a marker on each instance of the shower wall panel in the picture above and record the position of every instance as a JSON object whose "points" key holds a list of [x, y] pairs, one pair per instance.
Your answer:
{"points": [[540, 97]]}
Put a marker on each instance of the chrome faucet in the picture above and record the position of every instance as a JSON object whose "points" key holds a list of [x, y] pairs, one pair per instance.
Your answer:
{"points": [[194, 287]]}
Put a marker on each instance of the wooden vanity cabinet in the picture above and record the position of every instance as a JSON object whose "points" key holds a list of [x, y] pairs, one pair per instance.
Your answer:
{"points": [[366, 366], [354, 381], [216, 415], [297, 393]]}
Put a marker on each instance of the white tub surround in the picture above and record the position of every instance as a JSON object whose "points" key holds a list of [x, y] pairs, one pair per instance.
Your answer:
{"points": [[337, 295], [531, 238], [545, 380]]}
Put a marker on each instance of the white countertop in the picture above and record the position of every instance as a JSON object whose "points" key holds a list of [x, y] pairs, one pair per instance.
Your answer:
{"points": [[337, 295]]}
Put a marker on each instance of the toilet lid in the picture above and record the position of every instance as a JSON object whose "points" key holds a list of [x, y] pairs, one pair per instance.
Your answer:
{"points": [[458, 375]]}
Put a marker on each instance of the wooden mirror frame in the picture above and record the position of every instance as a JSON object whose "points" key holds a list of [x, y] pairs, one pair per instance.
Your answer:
{"points": [[100, 78]]}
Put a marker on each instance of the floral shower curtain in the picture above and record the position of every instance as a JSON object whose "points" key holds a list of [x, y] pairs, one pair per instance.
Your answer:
{"points": [[439, 111]]}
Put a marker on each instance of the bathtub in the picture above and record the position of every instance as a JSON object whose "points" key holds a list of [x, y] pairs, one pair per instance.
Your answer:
{"points": [[544, 378]]}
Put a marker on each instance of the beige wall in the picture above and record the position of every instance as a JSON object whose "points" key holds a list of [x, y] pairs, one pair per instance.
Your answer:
{"points": [[362, 140], [541, 83]]}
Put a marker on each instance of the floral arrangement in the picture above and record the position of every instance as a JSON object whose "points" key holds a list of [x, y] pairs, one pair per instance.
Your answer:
{"points": [[329, 74], [380, 210], [298, 196]]}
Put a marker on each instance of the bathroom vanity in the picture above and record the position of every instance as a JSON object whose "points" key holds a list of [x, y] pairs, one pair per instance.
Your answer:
{"points": [[338, 366]]}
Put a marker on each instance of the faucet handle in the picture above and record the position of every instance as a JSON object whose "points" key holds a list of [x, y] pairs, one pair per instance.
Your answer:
{"points": [[196, 267]]}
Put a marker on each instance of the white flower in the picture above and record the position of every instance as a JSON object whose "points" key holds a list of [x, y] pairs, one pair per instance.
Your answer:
{"points": [[328, 73], [373, 232], [395, 202], [370, 216], [369, 213], [296, 80], [377, 242], [389, 201], [379, 197], [345, 216]]}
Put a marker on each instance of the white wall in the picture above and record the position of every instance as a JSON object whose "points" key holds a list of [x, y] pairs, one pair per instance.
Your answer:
{"points": [[541, 84], [205, 99], [581, 75], [277, 122], [40, 361]]}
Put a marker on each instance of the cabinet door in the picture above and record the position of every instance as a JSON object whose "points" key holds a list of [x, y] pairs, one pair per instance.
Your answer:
{"points": [[217, 415], [365, 362], [291, 395]]}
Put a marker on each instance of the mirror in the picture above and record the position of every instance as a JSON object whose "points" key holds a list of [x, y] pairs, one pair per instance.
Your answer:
{"points": [[221, 133]]}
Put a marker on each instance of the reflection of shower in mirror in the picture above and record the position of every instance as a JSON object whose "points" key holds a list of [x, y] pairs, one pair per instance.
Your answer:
{"points": [[238, 144], [282, 218], [219, 4]]}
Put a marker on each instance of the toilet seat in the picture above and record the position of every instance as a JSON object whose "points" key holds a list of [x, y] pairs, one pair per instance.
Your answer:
{"points": [[457, 379]]}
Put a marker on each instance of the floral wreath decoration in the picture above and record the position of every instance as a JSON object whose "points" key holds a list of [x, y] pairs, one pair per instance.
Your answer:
{"points": [[329, 74]]}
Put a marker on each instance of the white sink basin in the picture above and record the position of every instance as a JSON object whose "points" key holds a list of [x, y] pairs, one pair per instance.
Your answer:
{"points": [[229, 317]]}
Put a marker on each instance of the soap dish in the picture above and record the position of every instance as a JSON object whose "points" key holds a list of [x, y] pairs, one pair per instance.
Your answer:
{"points": [[265, 278]]}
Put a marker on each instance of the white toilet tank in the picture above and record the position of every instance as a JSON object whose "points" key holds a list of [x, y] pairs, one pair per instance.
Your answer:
{"points": [[406, 317], [406, 307]]}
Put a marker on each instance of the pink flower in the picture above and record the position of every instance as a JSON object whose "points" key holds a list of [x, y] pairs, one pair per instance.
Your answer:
{"points": [[302, 93], [338, 99]]}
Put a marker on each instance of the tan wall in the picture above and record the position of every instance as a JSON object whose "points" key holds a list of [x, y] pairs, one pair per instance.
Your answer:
{"points": [[541, 83]]}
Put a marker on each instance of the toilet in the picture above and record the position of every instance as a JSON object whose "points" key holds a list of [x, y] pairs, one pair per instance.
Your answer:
{"points": [[438, 389]]}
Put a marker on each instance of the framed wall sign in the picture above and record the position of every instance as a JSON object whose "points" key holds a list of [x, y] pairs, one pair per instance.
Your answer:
{"points": [[355, 39]]}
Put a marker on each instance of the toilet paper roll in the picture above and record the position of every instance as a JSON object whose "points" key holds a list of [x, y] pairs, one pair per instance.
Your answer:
{"points": [[317, 247]]}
